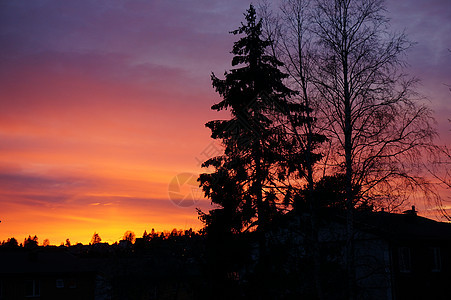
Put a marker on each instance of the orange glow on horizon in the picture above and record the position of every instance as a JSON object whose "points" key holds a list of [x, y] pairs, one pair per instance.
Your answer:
{"points": [[68, 175], [105, 204]]}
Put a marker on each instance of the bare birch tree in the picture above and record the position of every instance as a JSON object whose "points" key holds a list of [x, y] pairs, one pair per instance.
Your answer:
{"points": [[290, 31], [348, 66], [368, 104], [379, 131]]}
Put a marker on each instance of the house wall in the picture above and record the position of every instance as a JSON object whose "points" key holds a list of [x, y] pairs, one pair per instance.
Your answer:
{"points": [[71, 286], [373, 268], [422, 279]]}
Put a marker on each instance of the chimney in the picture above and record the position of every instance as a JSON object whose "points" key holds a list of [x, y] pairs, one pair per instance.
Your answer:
{"points": [[411, 212]]}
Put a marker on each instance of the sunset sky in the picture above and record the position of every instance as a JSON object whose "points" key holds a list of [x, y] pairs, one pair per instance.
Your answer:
{"points": [[103, 104]]}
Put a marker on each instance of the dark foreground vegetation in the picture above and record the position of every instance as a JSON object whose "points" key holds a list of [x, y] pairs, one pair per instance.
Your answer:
{"points": [[154, 266], [392, 253]]}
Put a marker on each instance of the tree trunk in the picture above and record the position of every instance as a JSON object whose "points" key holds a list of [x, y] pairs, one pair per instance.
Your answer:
{"points": [[348, 161]]}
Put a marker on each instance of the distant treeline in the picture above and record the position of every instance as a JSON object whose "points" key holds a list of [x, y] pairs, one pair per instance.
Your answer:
{"points": [[129, 237]]}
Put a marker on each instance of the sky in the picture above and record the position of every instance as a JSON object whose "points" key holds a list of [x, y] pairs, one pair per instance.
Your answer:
{"points": [[103, 106]]}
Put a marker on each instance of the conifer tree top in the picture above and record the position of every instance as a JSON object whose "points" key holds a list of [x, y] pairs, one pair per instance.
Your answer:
{"points": [[251, 45], [256, 74]]}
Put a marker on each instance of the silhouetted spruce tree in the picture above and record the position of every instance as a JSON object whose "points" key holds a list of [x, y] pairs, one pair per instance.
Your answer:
{"points": [[244, 181], [11, 243], [95, 238], [244, 178], [31, 242], [129, 236]]}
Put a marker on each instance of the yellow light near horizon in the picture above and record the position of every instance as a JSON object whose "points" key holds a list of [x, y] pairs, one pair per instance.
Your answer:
{"points": [[78, 223]]}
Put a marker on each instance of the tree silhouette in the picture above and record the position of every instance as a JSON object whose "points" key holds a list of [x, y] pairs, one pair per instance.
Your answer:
{"points": [[369, 113], [129, 236], [95, 238], [11, 243], [342, 58], [243, 181], [292, 44], [366, 105], [146, 236], [30, 242]]}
